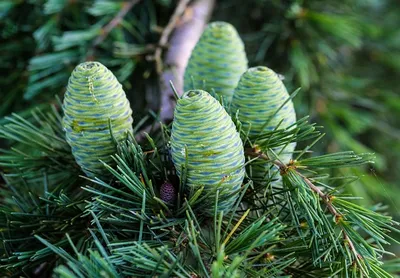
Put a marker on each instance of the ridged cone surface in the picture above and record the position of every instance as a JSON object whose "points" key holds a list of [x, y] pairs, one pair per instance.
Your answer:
{"points": [[214, 148], [258, 96], [93, 98], [218, 59]]}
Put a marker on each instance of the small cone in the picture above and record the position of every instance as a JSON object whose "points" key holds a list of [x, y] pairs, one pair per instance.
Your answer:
{"points": [[168, 193]]}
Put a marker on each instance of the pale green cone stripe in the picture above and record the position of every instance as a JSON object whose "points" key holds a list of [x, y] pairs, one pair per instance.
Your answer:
{"points": [[258, 96], [215, 150], [93, 99], [218, 59]]}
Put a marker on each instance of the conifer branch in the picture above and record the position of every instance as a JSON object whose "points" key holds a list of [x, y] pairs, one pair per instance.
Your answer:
{"points": [[105, 31], [324, 197], [187, 30], [254, 153], [180, 9], [147, 216], [327, 201], [182, 42]]}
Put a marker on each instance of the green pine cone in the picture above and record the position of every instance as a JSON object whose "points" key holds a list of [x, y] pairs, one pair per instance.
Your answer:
{"points": [[217, 61], [258, 96], [214, 148], [95, 99]]}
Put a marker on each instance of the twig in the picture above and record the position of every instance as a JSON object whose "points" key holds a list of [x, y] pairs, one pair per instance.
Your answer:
{"points": [[126, 7], [183, 36], [183, 33], [333, 211], [263, 156], [115, 21], [180, 9], [325, 198], [140, 136], [181, 43]]}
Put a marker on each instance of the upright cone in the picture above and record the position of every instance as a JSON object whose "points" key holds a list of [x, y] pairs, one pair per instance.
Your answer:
{"points": [[258, 96], [214, 148], [217, 61], [94, 102]]}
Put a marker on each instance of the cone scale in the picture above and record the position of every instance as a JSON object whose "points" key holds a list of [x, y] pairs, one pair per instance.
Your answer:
{"points": [[94, 102], [214, 148]]}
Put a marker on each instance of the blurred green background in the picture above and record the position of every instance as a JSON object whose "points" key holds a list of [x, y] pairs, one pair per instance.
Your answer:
{"points": [[345, 55]]}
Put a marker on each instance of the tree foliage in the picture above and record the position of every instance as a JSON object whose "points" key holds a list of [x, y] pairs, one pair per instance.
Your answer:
{"points": [[310, 219], [345, 56], [121, 227]]}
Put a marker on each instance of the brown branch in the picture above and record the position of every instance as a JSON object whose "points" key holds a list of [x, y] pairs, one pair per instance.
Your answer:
{"points": [[180, 9], [140, 136], [325, 198], [183, 31], [252, 153], [182, 41], [105, 31]]}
